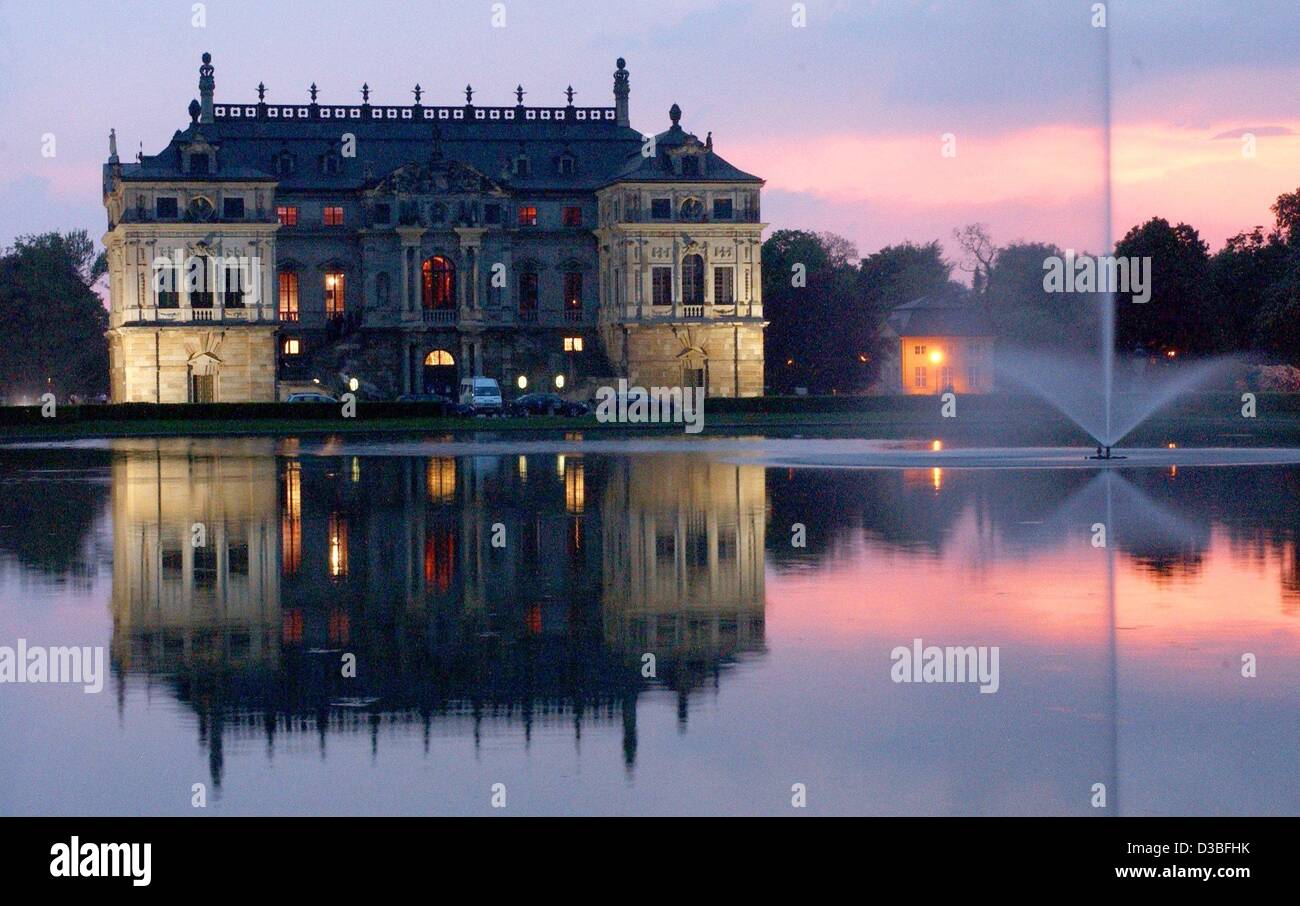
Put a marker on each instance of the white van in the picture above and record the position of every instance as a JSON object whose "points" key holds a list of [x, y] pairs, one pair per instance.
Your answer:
{"points": [[483, 393]]}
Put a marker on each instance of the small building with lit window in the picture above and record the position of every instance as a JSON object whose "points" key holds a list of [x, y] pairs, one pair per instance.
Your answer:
{"points": [[407, 247], [942, 343]]}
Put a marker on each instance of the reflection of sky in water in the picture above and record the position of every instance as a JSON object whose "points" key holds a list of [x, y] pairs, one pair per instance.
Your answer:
{"points": [[479, 667]]}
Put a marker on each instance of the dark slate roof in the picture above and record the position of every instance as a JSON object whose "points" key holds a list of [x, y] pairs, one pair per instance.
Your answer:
{"points": [[658, 169], [603, 151], [944, 314]]}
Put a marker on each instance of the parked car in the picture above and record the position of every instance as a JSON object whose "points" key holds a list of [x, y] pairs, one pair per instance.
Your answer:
{"points": [[482, 394], [445, 406], [547, 404], [310, 397]]}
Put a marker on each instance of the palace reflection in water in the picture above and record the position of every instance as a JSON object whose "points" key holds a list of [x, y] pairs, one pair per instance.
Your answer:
{"points": [[524, 590], [477, 663]]}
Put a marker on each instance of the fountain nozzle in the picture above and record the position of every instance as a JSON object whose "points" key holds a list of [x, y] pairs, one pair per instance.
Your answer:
{"points": [[1104, 453]]}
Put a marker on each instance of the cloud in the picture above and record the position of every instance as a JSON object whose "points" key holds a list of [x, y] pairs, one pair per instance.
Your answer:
{"points": [[1255, 130]]}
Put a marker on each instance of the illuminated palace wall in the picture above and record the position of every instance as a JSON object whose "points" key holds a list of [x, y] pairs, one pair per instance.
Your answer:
{"points": [[175, 603]]}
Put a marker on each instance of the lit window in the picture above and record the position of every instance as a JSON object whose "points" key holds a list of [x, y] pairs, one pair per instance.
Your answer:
{"points": [[918, 350], [334, 215], [573, 344], [287, 215], [291, 520], [334, 294], [441, 479], [573, 216], [292, 346], [528, 216], [439, 287], [338, 546], [288, 296]]}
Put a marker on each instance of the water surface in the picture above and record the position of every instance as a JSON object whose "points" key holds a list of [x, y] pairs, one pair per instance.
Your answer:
{"points": [[524, 664]]}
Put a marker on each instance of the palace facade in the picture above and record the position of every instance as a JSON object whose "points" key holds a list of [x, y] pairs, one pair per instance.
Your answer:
{"points": [[279, 247]]}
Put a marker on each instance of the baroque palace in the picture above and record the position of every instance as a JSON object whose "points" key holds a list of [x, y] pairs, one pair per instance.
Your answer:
{"points": [[271, 248]]}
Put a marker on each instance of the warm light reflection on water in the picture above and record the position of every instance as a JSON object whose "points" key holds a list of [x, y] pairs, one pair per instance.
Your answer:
{"points": [[501, 617]]}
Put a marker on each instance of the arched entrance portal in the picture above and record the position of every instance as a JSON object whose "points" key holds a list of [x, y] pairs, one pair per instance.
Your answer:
{"points": [[440, 373]]}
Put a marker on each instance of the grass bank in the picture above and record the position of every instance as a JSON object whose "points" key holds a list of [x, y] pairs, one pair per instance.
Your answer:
{"points": [[1208, 418]]}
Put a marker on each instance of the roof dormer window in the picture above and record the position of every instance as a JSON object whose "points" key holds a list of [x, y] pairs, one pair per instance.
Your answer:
{"points": [[520, 167], [200, 164], [285, 163], [567, 165], [329, 164]]}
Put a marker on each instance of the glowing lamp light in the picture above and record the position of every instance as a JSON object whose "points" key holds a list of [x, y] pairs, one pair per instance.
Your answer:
{"points": [[1171, 353], [936, 357], [522, 382], [936, 445], [354, 384], [559, 382]]}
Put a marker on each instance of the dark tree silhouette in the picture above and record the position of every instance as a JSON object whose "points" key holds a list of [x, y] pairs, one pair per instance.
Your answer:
{"points": [[52, 322]]}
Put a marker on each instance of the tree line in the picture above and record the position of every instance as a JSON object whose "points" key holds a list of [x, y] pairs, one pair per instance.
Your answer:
{"points": [[827, 306], [52, 322]]}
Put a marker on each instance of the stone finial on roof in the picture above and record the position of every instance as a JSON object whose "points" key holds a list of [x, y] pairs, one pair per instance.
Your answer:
{"points": [[312, 92], [207, 85], [195, 110], [621, 91], [568, 94], [675, 114], [365, 93], [469, 95], [519, 94], [417, 91], [261, 91]]}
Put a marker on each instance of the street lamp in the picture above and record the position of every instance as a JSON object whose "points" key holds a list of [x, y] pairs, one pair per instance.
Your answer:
{"points": [[522, 382], [559, 382]]}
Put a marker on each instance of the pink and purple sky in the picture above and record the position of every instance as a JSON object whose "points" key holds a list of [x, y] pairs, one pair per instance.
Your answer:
{"points": [[843, 117]]}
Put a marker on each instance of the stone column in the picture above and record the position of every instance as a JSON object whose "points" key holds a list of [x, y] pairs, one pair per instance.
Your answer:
{"points": [[677, 277]]}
